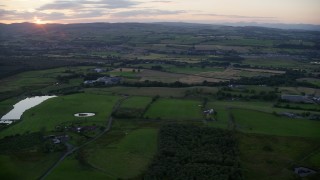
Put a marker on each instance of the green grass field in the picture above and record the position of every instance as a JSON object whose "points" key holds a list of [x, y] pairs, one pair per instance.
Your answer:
{"points": [[136, 91], [62, 109], [25, 165], [175, 109], [300, 90], [193, 70], [273, 157], [311, 80], [127, 156], [71, 168], [264, 123], [273, 63], [185, 70], [126, 74], [37, 79], [244, 42], [136, 102], [253, 105], [124, 153], [7, 105], [314, 159]]}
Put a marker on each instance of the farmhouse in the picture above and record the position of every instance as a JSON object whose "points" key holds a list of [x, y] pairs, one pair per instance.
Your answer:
{"points": [[99, 70], [57, 139], [105, 80], [303, 172], [208, 112], [297, 98], [88, 82], [109, 80], [290, 115]]}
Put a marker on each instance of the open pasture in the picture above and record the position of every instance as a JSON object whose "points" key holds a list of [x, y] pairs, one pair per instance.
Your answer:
{"points": [[73, 168], [125, 152], [273, 157], [127, 156], [136, 102], [38, 79], [153, 91], [250, 121], [25, 165], [57, 110], [299, 91], [175, 109], [313, 81]]}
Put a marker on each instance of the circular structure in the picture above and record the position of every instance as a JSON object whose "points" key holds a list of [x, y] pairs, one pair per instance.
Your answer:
{"points": [[84, 114]]}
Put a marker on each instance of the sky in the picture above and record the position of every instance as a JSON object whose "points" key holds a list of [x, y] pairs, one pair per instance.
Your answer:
{"points": [[199, 11]]}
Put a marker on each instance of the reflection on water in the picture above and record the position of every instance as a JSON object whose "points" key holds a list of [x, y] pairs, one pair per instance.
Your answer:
{"points": [[24, 105], [84, 114]]}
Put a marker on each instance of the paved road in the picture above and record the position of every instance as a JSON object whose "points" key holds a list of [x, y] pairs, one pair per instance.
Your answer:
{"points": [[71, 149]]}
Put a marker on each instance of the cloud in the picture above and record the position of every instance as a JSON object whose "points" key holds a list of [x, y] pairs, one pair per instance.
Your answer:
{"points": [[146, 12], [115, 4], [4, 13], [27, 16], [61, 5], [159, 1], [23, 15], [87, 14], [80, 4]]}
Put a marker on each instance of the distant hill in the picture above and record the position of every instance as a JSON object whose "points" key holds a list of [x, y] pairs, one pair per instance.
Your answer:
{"points": [[309, 27], [25, 28]]}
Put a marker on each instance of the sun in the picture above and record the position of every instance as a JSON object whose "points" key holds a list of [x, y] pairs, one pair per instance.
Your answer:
{"points": [[37, 20]]}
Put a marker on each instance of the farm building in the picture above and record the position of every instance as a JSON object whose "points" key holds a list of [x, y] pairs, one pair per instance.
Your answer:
{"points": [[99, 70], [297, 98], [89, 82], [105, 80], [303, 172], [109, 80], [208, 112]]}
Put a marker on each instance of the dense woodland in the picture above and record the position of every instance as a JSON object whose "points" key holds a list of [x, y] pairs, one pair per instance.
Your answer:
{"points": [[190, 152]]}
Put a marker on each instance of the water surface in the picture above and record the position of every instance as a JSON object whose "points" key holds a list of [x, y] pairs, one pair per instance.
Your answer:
{"points": [[23, 105]]}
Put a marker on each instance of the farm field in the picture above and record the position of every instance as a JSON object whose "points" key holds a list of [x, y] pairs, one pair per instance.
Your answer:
{"points": [[300, 90], [124, 72], [124, 152], [166, 77], [127, 157], [311, 80], [174, 109], [250, 121], [27, 165], [7, 105], [62, 109], [38, 79], [273, 157], [267, 107], [170, 100], [72, 168], [136, 102], [153, 91], [272, 62]]}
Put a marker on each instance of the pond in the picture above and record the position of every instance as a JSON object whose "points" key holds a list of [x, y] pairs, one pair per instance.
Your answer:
{"points": [[84, 114], [23, 105]]}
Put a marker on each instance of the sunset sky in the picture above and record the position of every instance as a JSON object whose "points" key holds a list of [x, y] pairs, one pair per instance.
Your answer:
{"points": [[202, 11]]}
